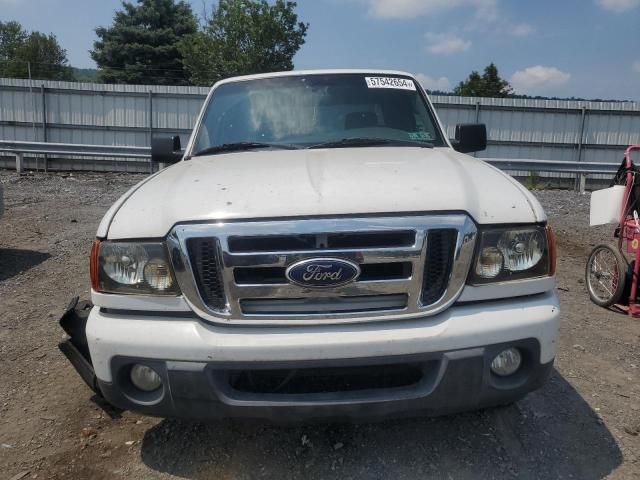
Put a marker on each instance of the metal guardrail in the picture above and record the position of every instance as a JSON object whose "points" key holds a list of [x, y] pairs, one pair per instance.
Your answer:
{"points": [[75, 149], [69, 149], [558, 166], [580, 169], [19, 149]]}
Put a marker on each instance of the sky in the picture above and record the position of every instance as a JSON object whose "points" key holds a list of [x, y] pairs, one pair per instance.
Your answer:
{"points": [[580, 48]]}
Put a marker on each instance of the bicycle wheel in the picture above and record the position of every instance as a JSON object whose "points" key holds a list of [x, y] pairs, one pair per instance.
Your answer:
{"points": [[605, 275]]}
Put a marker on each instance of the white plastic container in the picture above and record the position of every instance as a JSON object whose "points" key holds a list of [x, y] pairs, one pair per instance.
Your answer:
{"points": [[606, 205]]}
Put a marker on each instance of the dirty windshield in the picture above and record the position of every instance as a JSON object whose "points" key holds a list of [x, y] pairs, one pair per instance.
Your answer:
{"points": [[310, 111]]}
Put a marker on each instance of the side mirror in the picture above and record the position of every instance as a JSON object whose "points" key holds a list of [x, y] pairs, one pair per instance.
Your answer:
{"points": [[166, 150], [470, 137]]}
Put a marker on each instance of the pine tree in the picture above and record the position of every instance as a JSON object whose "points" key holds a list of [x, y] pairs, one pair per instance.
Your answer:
{"points": [[493, 85], [140, 47]]}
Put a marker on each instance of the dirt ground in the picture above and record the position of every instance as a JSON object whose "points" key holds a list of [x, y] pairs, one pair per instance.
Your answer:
{"points": [[584, 424]]}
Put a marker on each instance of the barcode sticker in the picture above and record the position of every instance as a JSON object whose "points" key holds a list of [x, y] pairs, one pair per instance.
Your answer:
{"points": [[390, 82]]}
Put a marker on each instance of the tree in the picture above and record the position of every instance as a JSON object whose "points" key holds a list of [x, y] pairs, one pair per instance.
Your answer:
{"points": [[45, 57], [494, 86], [88, 75], [490, 84], [41, 54], [141, 46], [471, 87], [11, 37], [243, 37]]}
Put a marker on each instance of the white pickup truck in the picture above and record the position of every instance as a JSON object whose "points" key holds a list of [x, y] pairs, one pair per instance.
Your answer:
{"points": [[320, 250]]}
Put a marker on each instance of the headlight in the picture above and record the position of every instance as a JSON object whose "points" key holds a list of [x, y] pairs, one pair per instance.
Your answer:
{"points": [[133, 268], [123, 263], [513, 254]]}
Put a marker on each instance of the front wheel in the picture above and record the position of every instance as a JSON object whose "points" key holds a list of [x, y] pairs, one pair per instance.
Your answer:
{"points": [[605, 275]]}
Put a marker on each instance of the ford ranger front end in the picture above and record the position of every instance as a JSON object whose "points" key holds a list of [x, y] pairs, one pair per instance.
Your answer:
{"points": [[319, 250]]}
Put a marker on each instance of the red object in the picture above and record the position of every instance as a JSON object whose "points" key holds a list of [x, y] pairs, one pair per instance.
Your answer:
{"points": [[630, 233]]}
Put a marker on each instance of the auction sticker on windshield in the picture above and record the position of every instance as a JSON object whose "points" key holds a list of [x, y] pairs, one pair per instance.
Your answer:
{"points": [[390, 82]]}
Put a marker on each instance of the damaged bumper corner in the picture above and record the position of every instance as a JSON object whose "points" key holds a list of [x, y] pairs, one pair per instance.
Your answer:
{"points": [[74, 344]]}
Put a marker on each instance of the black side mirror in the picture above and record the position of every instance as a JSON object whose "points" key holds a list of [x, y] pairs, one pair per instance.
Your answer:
{"points": [[166, 150], [470, 137]]}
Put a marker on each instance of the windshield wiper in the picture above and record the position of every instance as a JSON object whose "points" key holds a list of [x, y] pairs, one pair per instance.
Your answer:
{"points": [[371, 142], [240, 146]]}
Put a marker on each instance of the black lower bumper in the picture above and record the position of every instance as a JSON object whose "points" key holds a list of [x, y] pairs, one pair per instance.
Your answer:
{"points": [[74, 345], [367, 388]]}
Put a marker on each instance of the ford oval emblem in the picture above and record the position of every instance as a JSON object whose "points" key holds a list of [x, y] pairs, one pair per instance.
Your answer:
{"points": [[322, 272]]}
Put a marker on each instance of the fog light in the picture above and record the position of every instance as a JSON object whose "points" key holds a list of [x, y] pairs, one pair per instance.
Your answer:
{"points": [[506, 362], [145, 378]]}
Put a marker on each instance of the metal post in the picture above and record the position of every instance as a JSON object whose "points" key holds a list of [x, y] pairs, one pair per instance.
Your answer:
{"points": [[580, 182], [19, 162], [33, 109], [44, 124], [583, 183], [150, 126], [475, 154]]}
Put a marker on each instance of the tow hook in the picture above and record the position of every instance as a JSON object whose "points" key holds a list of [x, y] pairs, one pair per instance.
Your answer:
{"points": [[74, 344]]}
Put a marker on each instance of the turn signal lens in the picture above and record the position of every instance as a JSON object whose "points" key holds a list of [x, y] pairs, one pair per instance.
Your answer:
{"points": [[157, 274], [93, 264], [489, 263], [553, 254]]}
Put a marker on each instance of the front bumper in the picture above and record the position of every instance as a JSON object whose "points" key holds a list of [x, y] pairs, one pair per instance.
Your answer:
{"points": [[448, 382], [200, 363]]}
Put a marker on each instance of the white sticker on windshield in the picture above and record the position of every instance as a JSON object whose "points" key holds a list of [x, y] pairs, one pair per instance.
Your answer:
{"points": [[390, 82]]}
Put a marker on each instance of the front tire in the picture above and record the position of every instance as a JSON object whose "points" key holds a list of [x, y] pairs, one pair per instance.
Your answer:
{"points": [[605, 275]]}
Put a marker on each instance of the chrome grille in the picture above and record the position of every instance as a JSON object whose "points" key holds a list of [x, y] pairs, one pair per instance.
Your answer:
{"points": [[203, 254], [441, 244], [410, 266]]}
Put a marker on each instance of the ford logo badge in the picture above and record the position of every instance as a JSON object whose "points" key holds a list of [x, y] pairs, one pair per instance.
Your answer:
{"points": [[322, 272]]}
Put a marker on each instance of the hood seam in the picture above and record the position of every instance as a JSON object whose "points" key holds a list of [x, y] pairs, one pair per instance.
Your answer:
{"points": [[520, 187], [129, 194]]}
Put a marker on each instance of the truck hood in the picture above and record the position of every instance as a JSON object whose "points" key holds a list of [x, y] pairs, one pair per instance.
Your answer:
{"points": [[303, 183]]}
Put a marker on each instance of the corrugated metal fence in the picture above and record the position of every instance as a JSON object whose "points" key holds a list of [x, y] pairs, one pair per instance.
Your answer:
{"points": [[97, 114]]}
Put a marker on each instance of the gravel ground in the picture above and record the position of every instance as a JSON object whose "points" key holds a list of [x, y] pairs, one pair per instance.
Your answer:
{"points": [[583, 424]]}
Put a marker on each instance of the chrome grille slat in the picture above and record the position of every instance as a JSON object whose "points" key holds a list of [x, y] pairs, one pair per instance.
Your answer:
{"points": [[276, 259], [323, 241], [369, 272], [325, 305], [293, 291], [412, 287]]}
